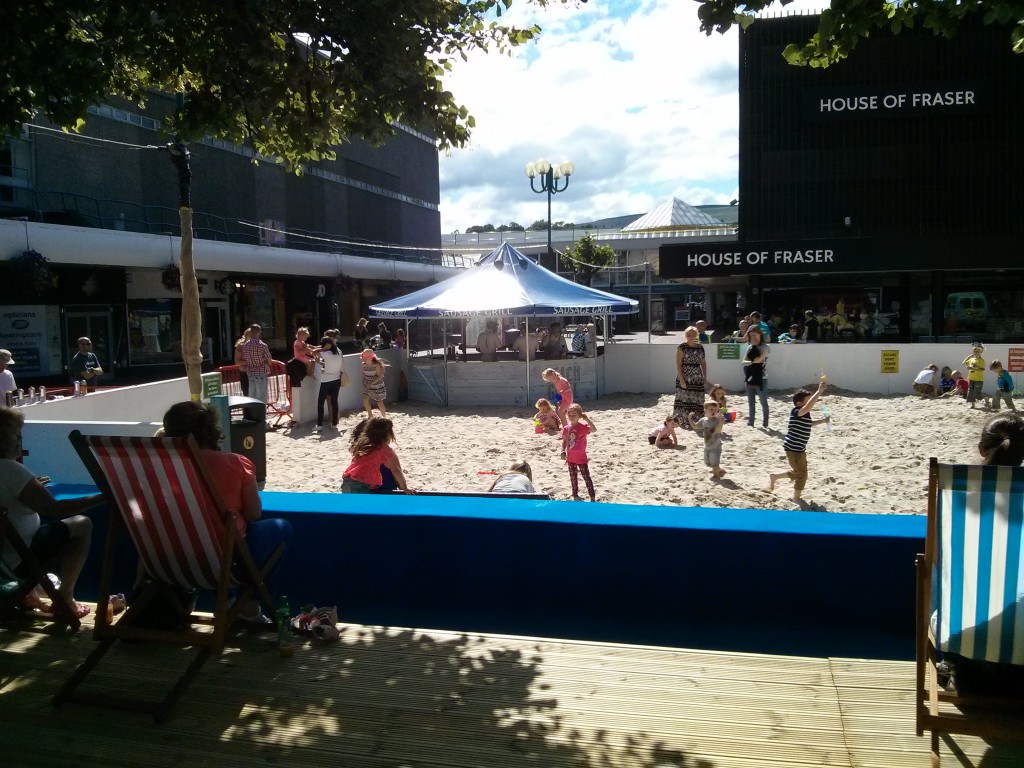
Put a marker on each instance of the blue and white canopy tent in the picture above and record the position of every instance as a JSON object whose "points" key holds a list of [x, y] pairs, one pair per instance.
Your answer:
{"points": [[505, 283]]}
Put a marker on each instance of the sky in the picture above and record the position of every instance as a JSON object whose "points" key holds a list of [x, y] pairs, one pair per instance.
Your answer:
{"points": [[630, 91]]}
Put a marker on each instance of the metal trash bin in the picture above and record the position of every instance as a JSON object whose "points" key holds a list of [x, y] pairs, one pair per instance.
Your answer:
{"points": [[248, 434]]}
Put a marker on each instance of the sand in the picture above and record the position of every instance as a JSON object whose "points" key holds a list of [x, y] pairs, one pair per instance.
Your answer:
{"points": [[875, 459]]}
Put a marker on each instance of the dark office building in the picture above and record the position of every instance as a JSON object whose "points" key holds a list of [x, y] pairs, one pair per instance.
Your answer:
{"points": [[272, 246], [886, 188]]}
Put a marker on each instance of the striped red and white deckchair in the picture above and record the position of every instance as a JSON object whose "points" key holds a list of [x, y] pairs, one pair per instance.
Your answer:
{"points": [[159, 489], [970, 596]]}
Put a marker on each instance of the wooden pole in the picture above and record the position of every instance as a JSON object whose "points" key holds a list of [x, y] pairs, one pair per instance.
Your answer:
{"points": [[191, 315]]}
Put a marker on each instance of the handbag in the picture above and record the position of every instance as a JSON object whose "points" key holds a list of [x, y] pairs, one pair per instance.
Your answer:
{"points": [[345, 379]]}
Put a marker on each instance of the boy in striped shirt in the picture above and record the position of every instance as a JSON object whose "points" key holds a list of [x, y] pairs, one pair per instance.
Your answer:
{"points": [[797, 435]]}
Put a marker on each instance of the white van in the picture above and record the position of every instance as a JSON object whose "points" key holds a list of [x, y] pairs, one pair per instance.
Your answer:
{"points": [[969, 307]]}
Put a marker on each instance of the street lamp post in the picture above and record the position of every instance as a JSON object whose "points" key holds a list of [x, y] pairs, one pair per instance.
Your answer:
{"points": [[549, 176]]}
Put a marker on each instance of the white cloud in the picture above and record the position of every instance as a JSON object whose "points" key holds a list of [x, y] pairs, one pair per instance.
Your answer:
{"points": [[643, 103]]}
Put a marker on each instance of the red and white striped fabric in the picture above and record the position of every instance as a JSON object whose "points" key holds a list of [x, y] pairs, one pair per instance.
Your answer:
{"points": [[169, 510]]}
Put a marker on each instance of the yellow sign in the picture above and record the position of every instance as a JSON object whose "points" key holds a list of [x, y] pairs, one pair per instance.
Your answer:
{"points": [[890, 361]]}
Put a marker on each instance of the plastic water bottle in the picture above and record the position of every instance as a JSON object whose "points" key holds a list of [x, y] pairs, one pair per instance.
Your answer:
{"points": [[78, 389], [42, 394], [285, 644]]}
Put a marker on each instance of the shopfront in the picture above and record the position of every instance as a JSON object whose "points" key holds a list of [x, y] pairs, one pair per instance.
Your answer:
{"points": [[883, 193], [867, 289]]}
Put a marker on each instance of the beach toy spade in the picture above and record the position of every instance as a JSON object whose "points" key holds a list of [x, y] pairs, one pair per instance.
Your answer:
{"points": [[824, 410]]}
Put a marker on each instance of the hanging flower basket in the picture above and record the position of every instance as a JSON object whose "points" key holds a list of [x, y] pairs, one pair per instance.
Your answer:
{"points": [[171, 277], [345, 284], [32, 273]]}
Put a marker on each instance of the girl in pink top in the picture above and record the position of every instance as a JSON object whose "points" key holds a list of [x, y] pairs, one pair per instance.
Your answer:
{"points": [[303, 351], [574, 449], [370, 451], [563, 391]]}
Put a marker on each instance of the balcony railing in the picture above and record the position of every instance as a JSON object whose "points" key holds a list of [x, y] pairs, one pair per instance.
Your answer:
{"points": [[81, 210]]}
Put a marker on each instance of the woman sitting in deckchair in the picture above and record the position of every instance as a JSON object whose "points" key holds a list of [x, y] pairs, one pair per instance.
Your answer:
{"points": [[235, 478]]}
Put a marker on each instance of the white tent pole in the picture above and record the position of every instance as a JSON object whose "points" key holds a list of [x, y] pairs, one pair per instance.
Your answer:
{"points": [[647, 274], [526, 346]]}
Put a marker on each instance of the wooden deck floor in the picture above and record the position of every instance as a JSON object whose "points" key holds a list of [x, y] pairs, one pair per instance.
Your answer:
{"points": [[397, 698]]}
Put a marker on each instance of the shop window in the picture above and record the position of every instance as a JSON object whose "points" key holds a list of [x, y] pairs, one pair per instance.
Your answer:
{"points": [[154, 331]]}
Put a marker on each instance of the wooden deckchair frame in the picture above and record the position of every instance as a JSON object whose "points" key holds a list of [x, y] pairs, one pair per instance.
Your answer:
{"points": [[942, 712], [63, 611], [235, 562]]}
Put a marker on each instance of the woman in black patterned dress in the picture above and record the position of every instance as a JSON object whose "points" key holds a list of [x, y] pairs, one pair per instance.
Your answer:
{"points": [[691, 373]]}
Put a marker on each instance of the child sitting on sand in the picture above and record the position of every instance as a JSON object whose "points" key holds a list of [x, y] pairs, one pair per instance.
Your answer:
{"points": [[959, 385], [371, 449], [717, 394], [563, 391], [946, 383], [545, 419], [574, 449], [711, 426], [797, 436], [664, 435]]}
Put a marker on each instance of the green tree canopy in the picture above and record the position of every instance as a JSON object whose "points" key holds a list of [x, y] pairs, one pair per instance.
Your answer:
{"points": [[542, 225], [847, 21], [292, 77], [586, 257]]}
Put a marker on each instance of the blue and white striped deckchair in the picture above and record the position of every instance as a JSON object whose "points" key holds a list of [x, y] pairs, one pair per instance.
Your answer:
{"points": [[980, 513], [970, 595]]}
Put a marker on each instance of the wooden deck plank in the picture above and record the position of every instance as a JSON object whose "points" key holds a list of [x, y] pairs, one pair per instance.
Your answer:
{"points": [[394, 697]]}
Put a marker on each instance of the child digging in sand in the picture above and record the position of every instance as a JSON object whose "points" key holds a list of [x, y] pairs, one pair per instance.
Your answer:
{"points": [[574, 449], [664, 435], [797, 435], [711, 426], [1004, 387], [545, 420]]}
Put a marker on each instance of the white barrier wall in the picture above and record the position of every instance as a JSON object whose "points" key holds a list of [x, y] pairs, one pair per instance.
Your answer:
{"points": [[856, 367], [504, 382], [49, 452], [47, 425]]}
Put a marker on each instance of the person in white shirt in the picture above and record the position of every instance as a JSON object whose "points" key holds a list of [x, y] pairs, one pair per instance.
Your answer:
{"points": [[927, 382], [518, 478], [7, 382]]}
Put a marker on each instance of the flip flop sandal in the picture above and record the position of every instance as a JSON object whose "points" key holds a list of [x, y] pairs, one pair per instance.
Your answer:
{"points": [[117, 603], [303, 623], [324, 626], [33, 602]]}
